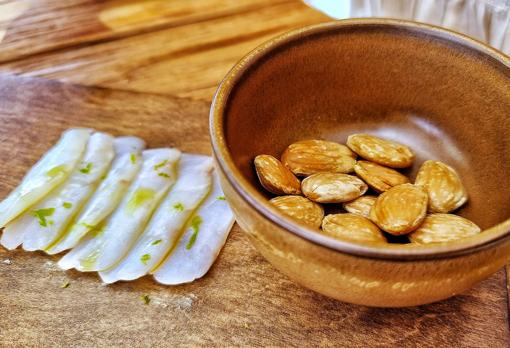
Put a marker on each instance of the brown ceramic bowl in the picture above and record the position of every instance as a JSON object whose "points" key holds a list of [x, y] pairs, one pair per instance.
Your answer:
{"points": [[445, 95]]}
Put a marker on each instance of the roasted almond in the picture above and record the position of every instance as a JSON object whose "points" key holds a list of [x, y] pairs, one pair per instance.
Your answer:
{"points": [[308, 157], [401, 209], [443, 185], [351, 227], [275, 177], [333, 187], [378, 177], [382, 151], [440, 228], [360, 206], [300, 209]]}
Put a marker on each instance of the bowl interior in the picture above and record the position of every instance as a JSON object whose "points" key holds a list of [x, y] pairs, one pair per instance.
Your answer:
{"points": [[429, 89]]}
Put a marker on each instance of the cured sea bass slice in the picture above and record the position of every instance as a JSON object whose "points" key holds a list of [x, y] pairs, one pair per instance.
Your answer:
{"points": [[108, 195], [108, 243], [47, 219], [50, 171], [192, 186], [200, 244]]}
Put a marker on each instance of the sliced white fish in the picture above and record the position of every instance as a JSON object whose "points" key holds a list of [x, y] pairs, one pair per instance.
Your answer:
{"points": [[50, 171], [108, 243], [45, 221], [128, 144], [192, 186], [201, 242], [108, 195]]}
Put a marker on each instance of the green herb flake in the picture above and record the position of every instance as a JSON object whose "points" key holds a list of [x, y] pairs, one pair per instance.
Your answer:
{"points": [[160, 164], [57, 171], [145, 258], [65, 284], [164, 175], [140, 197], [86, 225], [146, 299], [133, 158], [89, 261], [195, 225], [42, 214], [178, 206], [221, 198], [67, 205], [86, 169], [96, 232], [156, 242]]}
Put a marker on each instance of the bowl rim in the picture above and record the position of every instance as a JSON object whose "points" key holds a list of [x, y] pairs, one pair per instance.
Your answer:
{"points": [[260, 205]]}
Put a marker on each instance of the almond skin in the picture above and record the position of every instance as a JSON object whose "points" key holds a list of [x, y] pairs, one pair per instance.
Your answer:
{"points": [[275, 177], [441, 228], [379, 178], [382, 151], [308, 157], [351, 227], [360, 206], [301, 209], [443, 185], [333, 188], [401, 209]]}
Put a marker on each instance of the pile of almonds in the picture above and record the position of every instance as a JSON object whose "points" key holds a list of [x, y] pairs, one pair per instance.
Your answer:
{"points": [[419, 211]]}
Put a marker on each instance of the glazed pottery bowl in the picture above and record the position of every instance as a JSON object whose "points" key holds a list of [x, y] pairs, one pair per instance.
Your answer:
{"points": [[445, 95]]}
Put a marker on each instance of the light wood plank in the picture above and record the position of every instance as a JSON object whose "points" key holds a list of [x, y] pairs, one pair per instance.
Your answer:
{"points": [[188, 60], [46, 25]]}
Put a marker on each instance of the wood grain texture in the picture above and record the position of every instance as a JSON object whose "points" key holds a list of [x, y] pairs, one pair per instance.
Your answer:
{"points": [[243, 301], [188, 59], [47, 25]]}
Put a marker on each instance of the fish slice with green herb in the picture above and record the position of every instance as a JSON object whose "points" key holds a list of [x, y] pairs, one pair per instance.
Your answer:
{"points": [[108, 195], [192, 186], [105, 246], [51, 170], [48, 173], [201, 242], [50, 217], [128, 144]]}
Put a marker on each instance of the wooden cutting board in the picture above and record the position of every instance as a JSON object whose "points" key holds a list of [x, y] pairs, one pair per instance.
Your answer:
{"points": [[243, 301]]}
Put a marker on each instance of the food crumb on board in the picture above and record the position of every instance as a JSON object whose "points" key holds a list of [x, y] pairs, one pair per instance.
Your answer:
{"points": [[52, 266], [65, 284], [146, 299], [182, 302], [7, 262]]}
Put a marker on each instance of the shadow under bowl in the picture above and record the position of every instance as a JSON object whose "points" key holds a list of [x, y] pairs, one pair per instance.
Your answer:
{"points": [[443, 94]]}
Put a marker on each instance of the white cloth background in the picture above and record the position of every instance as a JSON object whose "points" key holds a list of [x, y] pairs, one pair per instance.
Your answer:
{"points": [[486, 20]]}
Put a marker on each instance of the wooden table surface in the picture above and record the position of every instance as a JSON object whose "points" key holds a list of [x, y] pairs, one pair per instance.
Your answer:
{"points": [[171, 54]]}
